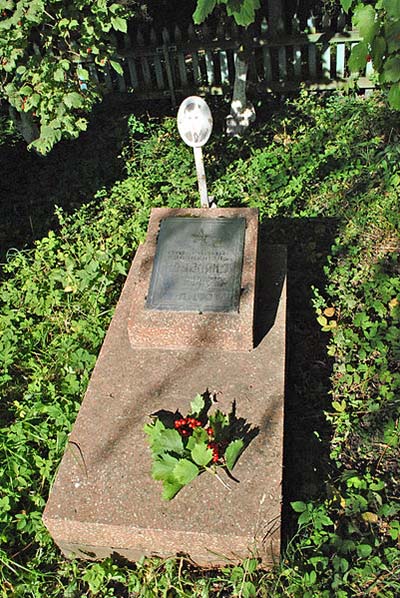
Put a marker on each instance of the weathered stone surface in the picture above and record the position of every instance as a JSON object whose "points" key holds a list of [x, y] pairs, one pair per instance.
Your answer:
{"points": [[227, 330], [104, 500]]}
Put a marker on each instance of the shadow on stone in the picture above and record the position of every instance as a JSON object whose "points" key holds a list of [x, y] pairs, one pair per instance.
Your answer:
{"points": [[308, 367]]}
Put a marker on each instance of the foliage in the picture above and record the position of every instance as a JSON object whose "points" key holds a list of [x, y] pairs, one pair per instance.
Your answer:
{"points": [[379, 26], [184, 447], [316, 163], [46, 50], [243, 11], [8, 132]]}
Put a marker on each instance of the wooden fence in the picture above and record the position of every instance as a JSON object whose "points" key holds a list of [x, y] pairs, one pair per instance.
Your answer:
{"points": [[178, 63]]}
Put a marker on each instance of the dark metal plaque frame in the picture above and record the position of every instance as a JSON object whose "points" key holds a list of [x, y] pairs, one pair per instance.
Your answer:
{"points": [[197, 265]]}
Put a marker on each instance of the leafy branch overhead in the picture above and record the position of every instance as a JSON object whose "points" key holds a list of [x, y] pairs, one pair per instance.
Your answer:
{"points": [[379, 25], [184, 447], [46, 49], [243, 11]]}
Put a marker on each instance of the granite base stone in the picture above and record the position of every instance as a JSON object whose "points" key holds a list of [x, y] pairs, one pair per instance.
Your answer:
{"points": [[104, 500]]}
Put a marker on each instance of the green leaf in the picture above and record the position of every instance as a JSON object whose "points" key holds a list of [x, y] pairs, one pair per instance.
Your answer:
{"points": [[197, 405], [117, 67], [358, 57], [163, 466], [201, 454], [391, 70], [59, 75], [392, 8], [243, 11], [119, 24], [305, 517], [339, 407], [298, 506], [248, 590], [394, 96], [168, 441], [73, 100], [171, 487], [232, 452], [185, 471], [392, 35], [203, 9], [364, 20], [83, 74], [378, 50], [346, 4], [26, 90], [153, 430], [364, 550], [250, 565], [199, 436]]}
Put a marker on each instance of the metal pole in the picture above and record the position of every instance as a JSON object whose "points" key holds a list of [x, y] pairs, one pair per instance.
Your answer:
{"points": [[201, 176]]}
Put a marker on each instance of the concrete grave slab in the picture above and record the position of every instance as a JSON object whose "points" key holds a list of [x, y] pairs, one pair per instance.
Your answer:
{"points": [[181, 326], [104, 500]]}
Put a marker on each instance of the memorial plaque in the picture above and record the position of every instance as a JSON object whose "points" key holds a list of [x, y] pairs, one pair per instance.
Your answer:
{"points": [[197, 265]]}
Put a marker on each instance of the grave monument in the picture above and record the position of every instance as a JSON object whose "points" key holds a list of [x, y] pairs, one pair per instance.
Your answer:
{"points": [[202, 309]]}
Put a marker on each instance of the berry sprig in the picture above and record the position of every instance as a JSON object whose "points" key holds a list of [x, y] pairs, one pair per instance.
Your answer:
{"points": [[186, 425], [184, 447]]}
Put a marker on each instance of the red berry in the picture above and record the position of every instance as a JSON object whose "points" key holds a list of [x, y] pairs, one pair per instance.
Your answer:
{"points": [[89, 50], [210, 431], [369, 57]]}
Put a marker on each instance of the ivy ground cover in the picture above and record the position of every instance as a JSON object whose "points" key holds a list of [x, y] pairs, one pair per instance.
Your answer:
{"points": [[324, 175]]}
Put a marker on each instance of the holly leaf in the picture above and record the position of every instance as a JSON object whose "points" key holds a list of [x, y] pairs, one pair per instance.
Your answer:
{"points": [[185, 471], [167, 441], [232, 452], [163, 467], [364, 20], [201, 454], [197, 405], [203, 9], [171, 487]]}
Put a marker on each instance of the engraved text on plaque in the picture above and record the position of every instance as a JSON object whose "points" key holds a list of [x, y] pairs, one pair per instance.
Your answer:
{"points": [[197, 265]]}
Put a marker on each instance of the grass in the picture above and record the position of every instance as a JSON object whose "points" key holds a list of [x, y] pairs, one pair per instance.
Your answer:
{"points": [[323, 173]]}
